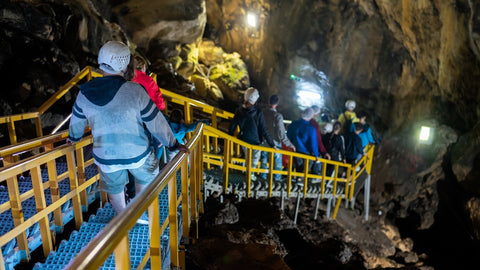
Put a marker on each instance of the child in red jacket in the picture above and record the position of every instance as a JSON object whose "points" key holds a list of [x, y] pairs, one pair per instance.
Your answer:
{"points": [[147, 82]]}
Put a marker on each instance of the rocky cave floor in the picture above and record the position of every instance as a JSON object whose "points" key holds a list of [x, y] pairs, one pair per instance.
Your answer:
{"points": [[265, 237]]}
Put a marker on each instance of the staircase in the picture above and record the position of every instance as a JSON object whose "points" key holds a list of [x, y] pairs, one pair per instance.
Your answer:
{"points": [[190, 176], [138, 236], [138, 240]]}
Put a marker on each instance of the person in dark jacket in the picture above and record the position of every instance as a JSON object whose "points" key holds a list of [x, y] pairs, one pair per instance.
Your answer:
{"points": [[276, 128], [252, 125], [335, 145], [353, 145], [366, 134]]}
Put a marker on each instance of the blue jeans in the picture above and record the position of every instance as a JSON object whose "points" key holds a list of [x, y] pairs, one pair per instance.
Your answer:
{"points": [[277, 164]]}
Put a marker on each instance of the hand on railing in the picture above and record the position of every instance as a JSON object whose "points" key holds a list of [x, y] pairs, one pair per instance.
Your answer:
{"points": [[328, 156], [183, 148]]}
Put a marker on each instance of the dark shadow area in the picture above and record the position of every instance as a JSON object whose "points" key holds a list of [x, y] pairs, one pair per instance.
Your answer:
{"points": [[331, 254], [449, 243]]}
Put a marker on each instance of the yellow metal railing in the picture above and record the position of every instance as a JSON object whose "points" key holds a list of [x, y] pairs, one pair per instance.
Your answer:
{"points": [[10, 120], [190, 106], [11, 153], [73, 154], [114, 237], [230, 160], [201, 154]]}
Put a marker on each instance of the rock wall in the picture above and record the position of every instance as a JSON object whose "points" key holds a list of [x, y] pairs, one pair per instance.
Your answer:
{"points": [[406, 63]]}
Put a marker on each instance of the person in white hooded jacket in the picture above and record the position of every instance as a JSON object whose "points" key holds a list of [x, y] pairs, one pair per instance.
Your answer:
{"points": [[118, 112]]}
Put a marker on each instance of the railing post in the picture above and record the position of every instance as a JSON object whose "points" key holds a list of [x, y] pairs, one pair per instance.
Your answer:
{"points": [[155, 235], [194, 177], [270, 173], [54, 190], [370, 159], [72, 175], [81, 177], [38, 127], [206, 139], [17, 213], [199, 181], [40, 203], [324, 175], [226, 162], [187, 113], [55, 193], [214, 125], [172, 218], [339, 199], [248, 166], [305, 175], [122, 254], [352, 180], [11, 132], [184, 191], [289, 175], [335, 179], [366, 190]]}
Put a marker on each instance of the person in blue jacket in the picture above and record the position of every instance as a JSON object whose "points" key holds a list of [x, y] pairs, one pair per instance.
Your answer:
{"points": [[366, 134], [180, 129], [304, 136]]}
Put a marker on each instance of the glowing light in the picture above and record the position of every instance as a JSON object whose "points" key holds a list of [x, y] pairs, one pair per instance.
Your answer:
{"points": [[424, 134], [252, 19], [293, 77], [309, 95]]}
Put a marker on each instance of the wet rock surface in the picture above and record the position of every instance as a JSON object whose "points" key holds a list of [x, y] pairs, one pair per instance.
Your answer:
{"points": [[265, 237]]}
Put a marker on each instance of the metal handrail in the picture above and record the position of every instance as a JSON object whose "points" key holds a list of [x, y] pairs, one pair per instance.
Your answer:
{"points": [[113, 236], [208, 134], [226, 162], [88, 72], [77, 195], [10, 120]]}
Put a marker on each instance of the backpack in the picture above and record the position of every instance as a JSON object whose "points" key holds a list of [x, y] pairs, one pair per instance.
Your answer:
{"points": [[347, 125]]}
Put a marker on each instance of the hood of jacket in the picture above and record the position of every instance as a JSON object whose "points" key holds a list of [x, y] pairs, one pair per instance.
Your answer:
{"points": [[101, 91]]}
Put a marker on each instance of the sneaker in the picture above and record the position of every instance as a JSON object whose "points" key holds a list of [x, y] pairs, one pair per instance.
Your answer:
{"points": [[316, 181], [253, 177], [143, 220], [299, 182]]}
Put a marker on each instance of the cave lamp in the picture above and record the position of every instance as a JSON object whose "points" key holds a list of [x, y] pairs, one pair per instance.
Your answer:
{"points": [[425, 135], [251, 19]]}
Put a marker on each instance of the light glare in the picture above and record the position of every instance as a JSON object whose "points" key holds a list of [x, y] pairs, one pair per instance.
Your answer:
{"points": [[309, 95], [252, 19], [424, 134]]}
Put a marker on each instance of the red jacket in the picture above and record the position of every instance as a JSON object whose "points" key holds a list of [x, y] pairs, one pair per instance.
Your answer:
{"points": [[321, 148], [152, 88]]}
